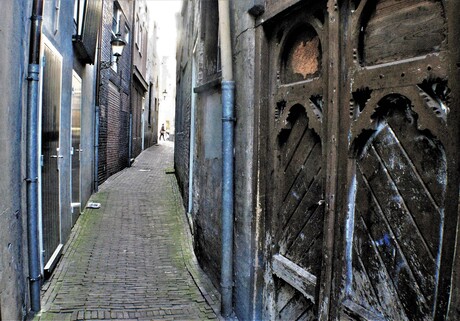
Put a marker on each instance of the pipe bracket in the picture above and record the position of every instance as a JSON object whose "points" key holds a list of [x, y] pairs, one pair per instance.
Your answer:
{"points": [[31, 180], [38, 278], [229, 119]]}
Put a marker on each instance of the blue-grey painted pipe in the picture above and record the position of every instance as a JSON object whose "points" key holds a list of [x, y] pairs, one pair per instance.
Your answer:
{"points": [[32, 155], [228, 89], [130, 140], [96, 150], [32, 187], [192, 144]]}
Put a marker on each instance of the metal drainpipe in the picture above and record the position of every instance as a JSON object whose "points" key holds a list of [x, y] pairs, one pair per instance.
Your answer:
{"points": [[131, 91], [96, 149], [228, 89], [192, 144], [97, 109], [130, 138], [32, 154]]}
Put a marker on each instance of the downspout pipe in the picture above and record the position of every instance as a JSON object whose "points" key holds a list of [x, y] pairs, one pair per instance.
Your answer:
{"points": [[228, 120], [32, 155], [192, 144], [97, 109], [96, 148]]}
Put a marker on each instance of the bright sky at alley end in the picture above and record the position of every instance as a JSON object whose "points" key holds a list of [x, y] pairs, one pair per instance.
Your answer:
{"points": [[164, 13]]}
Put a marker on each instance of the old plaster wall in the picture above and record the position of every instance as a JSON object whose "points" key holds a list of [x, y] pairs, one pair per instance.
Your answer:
{"points": [[184, 98], [208, 152], [14, 30]]}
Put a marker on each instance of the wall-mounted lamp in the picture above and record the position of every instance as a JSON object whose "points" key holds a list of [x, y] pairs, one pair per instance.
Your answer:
{"points": [[117, 49], [164, 94]]}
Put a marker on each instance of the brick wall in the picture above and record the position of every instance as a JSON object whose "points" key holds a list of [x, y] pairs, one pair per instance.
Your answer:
{"points": [[183, 105], [114, 97]]}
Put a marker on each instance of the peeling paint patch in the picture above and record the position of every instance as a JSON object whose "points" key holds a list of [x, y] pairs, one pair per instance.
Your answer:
{"points": [[301, 57], [305, 57]]}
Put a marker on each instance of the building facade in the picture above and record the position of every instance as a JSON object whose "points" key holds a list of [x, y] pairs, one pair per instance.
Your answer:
{"points": [[65, 136], [346, 156], [125, 124], [114, 90], [67, 119], [151, 109], [139, 84]]}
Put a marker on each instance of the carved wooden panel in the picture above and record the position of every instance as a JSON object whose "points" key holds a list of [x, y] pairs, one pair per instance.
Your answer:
{"points": [[297, 211], [392, 30]]}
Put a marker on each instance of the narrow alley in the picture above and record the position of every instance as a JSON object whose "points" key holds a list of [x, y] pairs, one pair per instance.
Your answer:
{"points": [[132, 258]]}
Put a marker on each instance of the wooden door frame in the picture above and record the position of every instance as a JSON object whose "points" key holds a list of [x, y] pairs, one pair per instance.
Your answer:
{"points": [[265, 88]]}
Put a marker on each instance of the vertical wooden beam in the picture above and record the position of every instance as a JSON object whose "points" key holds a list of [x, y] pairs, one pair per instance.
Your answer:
{"points": [[332, 115], [258, 285], [451, 247]]}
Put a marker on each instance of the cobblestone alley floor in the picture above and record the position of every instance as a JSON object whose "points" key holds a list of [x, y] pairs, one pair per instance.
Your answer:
{"points": [[131, 259]]}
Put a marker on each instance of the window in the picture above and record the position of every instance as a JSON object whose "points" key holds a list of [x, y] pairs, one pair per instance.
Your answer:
{"points": [[141, 31], [127, 35], [114, 62], [87, 17], [116, 19], [210, 36], [139, 34], [149, 118], [78, 13]]}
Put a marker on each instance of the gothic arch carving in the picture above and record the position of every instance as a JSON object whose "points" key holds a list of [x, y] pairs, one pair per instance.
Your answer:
{"points": [[301, 53]]}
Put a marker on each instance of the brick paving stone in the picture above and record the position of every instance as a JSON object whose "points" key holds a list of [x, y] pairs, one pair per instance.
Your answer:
{"points": [[132, 259]]}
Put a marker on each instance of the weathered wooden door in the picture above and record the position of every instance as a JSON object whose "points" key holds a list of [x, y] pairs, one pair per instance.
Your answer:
{"points": [[296, 210], [398, 165], [362, 147]]}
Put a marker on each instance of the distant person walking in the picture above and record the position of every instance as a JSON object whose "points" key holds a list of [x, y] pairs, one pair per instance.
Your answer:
{"points": [[162, 132]]}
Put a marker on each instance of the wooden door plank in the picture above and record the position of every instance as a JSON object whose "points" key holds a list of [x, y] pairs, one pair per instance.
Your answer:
{"points": [[297, 277], [400, 221], [298, 125], [311, 202], [384, 263], [357, 312], [302, 248], [407, 32], [295, 308], [419, 201], [300, 186], [295, 164], [427, 157]]}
